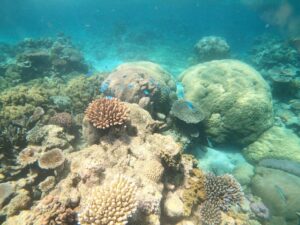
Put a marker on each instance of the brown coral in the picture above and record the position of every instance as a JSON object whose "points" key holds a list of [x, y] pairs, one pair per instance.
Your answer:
{"points": [[223, 191], [63, 119], [51, 159], [107, 112], [110, 204], [210, 214], [153, 170], [28, 155]]}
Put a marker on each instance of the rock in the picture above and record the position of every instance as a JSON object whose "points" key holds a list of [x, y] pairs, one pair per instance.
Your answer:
{"points": [[279, 191], [6, 190], [235, 98], [174, 207], [19, 202], [276, 143]]}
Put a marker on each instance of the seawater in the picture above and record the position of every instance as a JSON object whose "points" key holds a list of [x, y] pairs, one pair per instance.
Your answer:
{"points": [[190, 107]]}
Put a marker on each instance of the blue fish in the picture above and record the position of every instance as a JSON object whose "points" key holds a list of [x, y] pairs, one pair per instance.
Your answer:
{"points": [[179, 90], [89, 73], [104, 87], [146, 92], [189, 105], [109, 97]]}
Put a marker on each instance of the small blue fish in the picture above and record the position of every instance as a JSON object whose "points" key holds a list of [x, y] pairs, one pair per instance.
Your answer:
{"points": [[130, 86], [146, 92], [109, 97], [189, 105], [104, 87], [179, 90], [89, 73]]}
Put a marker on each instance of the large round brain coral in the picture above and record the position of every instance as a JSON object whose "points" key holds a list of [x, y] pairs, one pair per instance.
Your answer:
{"points": [[111, 204], [234, 97], [144, 83], [107, 112], [212, 47]]}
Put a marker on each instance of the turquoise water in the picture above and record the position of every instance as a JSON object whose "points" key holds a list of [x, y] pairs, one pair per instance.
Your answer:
{"points": [[155, 112]]}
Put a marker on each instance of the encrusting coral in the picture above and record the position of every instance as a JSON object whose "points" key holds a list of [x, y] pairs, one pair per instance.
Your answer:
{"points": [[51, 159], [112, 204], [106, 112]]}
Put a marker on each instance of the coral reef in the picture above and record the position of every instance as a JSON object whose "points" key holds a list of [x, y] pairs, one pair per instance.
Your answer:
{"points": [[106, 112], [279, 192], [271, 143], [112, 204], [51, 159], [186, 112], [44, 57], [63, 119], [282, 164], [210, 214], [141, 82], [212, 48], [224, 191], [235, 98]]}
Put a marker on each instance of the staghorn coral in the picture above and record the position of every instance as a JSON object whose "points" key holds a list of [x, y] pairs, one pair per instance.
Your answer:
{"points": [[210, 214], [111, 204], [63, 119], [223, 190], [107, 112], [51, 159]]}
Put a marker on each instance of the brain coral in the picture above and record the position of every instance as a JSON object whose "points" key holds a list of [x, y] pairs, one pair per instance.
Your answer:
{"points": [[106, 112], [111, 204], [234, 97], [212, 47], [142, 82]]}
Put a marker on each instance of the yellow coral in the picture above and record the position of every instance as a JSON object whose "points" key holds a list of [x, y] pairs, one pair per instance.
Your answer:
{"points": [[111, 204], [194, 193]]}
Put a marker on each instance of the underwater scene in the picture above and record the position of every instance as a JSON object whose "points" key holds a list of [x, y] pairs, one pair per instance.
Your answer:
{"points": [[150, 112]]}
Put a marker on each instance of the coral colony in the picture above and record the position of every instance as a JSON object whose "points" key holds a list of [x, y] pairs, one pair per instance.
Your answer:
{"points": [[80, 146]]}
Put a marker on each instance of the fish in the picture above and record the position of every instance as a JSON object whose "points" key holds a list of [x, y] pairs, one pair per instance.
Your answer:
{"points": [[146, 92], [179, 90], [104, 86], [281, 193], [89, 73]]}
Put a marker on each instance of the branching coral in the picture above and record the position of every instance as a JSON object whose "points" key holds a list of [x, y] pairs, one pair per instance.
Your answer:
{"points": [[107, 112], [210, 214], [223, 190], [111, 204]]}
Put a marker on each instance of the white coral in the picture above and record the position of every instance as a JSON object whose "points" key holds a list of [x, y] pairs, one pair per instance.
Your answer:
{"points": [[111, 204]]}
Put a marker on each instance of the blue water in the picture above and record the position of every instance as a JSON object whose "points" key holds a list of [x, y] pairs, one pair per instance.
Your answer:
{"points": [[111, 32]]}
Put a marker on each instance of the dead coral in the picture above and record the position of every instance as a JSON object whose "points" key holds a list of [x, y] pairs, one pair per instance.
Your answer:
{"points": [[110, 204], [106, 112], [51, 159]]}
